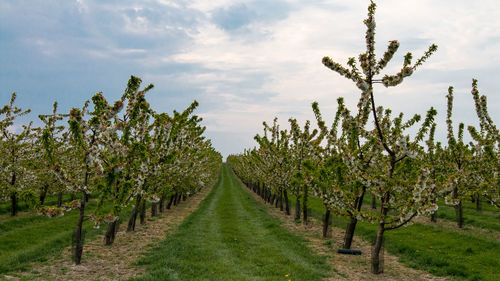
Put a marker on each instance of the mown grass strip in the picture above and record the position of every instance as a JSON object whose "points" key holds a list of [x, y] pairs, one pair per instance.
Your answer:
{"points": [[231, 237]]}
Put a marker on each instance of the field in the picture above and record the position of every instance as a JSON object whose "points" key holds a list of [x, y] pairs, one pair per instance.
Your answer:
{"points": [[233, 236]]}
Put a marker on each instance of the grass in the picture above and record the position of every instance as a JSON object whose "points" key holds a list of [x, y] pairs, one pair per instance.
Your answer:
{"points": [[231, 237], [31, 238], [437, 250], [488, 218], [50, 200]]}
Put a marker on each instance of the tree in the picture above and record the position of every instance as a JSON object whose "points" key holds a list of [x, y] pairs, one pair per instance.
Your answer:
{"points": [[458, 156], [15, 148], [85, 138], [410, 195], [486, 164]]}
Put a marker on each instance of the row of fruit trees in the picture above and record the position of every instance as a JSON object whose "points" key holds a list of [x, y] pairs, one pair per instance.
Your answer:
{"points": [[122, 153], [351, 159]]}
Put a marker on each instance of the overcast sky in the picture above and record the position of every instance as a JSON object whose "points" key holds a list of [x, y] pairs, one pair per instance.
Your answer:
{"points": [[244, 61]]}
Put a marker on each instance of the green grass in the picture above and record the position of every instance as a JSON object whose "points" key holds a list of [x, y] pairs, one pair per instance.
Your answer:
{"points": [[231, 237], [51, 200], [36, 238], [488, 218], [463, 255]]}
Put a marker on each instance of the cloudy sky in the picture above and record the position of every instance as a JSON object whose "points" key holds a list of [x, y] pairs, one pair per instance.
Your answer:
{"points": [[244, 61]]}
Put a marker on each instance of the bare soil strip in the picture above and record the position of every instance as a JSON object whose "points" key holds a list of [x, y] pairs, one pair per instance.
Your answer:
{"points": [[116, 262], [346, 267]]}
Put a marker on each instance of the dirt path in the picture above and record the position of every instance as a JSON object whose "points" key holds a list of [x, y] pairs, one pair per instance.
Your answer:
{"points": [[115, 262], [346, 267]]}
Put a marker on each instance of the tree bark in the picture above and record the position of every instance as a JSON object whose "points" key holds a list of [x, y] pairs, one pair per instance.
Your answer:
{"points": [[349, 233], [377, 268], [77, 255], [170, 201], [351, 227], [281, 199], [111, 233], [434, 217], [287, 203], [434, 214], [326, 222], [59, 199], [14, 205], [460, 217], [142, 215], [374, 202], [297, 208], [478, 202], [43, 193], [162, 204], [133, 215], [304, 205], [154, 209]]}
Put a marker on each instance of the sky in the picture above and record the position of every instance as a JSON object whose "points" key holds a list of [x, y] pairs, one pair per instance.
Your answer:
{"points": [[245, 61]]}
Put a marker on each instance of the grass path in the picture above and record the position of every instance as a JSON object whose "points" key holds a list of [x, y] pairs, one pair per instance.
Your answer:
{"points": [[231, 237]]}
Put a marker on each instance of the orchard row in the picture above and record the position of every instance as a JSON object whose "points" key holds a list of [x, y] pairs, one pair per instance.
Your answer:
{"points": [[342, 163], [122, 153]]}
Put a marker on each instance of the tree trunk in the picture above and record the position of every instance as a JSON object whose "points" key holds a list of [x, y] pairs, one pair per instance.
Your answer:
{"points": [[281, 200], [43, 193], [351, 227], [377, 267], [133, 215], [297, 208], [434, 214], [170, 201], [162, 204], [434, 217], [14, 206], [349, 233], [153, 209], [86, 196], [77, 255], [460, 217], [304, 206], [287, 203], [177, 199], [142, 215], [374, 202], [326, 222], [73, 196], [184, 197], [111, 233], [59, 199], [478, 202]]}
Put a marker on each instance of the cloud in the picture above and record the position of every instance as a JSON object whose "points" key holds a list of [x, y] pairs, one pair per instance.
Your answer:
{"points": [[244, 61]]}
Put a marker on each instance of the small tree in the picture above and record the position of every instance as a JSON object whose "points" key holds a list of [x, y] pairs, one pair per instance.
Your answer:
{"points": [[15, 148], [486, 168], [458, 156], [85, 137], [409, 195]]}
